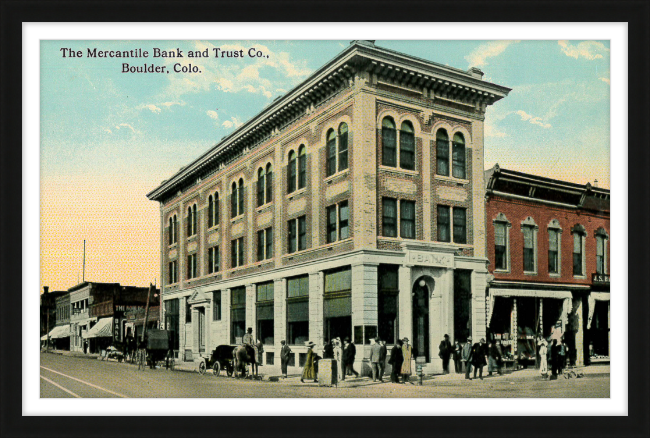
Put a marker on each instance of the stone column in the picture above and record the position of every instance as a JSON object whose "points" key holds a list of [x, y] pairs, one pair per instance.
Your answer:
{"points": [[316, 288], [405, 317], [181, 326], [195, 332], [364, 305], [225, 314], [208, 327], [250, 310], [279, 315]]}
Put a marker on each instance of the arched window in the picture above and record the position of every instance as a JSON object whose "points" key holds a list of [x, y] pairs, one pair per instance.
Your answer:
{"points": [[291, 173], [343, 146], [331, 153], [171, 230], [240, 195], [261, 184], [269, 182], [191, 220], [442, 153], [213, 210], [233, 200], [302, 167], [194, 219], [579, 265], [458, 168], [175, 229], [407, 146], [389, 142]]}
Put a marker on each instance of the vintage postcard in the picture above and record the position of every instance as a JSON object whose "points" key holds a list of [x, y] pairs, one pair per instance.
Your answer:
{"points": [[325, 218]]}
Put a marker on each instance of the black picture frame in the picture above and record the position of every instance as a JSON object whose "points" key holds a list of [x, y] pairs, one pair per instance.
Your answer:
{"points": [[635, 13]]}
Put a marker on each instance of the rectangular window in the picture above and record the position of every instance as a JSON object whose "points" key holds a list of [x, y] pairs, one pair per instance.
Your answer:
{"points": [[173, 272], [191, 266], [458, 157], [233, 202], [216, 305], [292, 236], [407, 150], [442, 157], [444, 223], [213, 260], [260, 191], [529, 249], [344, 217], [265, 291], [241, 198], [237, 252], [389, 217], [188, 311], [331, 224], [291, 175], [302, 233], [302, 170], [338, 280], [600, 255], [460, 225], [577, 254], [260, 245], [407, 219], [331, 156], [269, 243], [387, 308], [389, 147], [500, 254], [241, 250], [553, 266], [237, 314], [269, 185], [298, 286], [264, 314]]}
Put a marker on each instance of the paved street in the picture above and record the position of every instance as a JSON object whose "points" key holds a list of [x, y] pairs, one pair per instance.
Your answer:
{"points": [[64, 376]]}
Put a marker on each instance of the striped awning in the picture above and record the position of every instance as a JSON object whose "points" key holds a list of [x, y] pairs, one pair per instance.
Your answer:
{"points": [[103, 329], [557, 294], [61, 331]]}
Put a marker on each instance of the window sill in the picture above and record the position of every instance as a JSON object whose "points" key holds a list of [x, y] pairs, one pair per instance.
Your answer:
{"points": [[399, 239], [336, 175], [261, 208], [296, 193], [213, 228], [580, 277], [237, 218], [192, 238], [451, 179], [398, 170], [530, 273], [173, 245], [555, 275], [502, 271]]}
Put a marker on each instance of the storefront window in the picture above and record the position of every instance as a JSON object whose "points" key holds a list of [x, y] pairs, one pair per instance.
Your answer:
{"points": [[388, 302], [298, 310], [237, 314], [265, 309]]}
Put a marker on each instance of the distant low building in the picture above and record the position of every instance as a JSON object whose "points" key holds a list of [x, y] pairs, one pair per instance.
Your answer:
{"points": [[48, 309], [548, 246]]}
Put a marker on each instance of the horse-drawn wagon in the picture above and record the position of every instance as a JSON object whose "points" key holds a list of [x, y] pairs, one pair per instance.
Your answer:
{"points": [[157, 350]]}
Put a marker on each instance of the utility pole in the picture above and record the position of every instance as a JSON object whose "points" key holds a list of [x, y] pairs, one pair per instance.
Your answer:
{"points": [[84, 266], [146, 314]]}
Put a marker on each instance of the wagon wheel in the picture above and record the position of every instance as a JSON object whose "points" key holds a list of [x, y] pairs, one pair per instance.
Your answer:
{"points": [[202, 367], [229, 369], [170, 361], [216, 368]]}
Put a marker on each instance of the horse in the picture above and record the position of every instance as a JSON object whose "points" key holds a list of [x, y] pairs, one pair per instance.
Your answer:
{"points": [[242, 356]]}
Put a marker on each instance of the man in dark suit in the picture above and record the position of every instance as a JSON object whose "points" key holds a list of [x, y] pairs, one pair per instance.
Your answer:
{"points": [[479, 357], [285, 353], [396, 360], [445, 352], [349, 352]]}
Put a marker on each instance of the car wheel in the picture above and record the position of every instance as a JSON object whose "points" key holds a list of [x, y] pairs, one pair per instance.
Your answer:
{"points": [[216, 368], [202, 367]]}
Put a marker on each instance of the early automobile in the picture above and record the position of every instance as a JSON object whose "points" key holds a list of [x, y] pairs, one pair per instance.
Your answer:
{"points": [[220, 359]]}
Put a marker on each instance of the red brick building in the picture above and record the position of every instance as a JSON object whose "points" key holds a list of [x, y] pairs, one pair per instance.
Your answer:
{"points": [[548, 246]]}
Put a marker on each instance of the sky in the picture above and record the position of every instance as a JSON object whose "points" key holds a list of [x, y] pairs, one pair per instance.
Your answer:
{"points": [[108, 137]]}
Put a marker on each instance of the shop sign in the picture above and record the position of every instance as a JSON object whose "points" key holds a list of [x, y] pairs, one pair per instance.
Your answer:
{"points": [[602, 279], [124, 308], [430, 259]]}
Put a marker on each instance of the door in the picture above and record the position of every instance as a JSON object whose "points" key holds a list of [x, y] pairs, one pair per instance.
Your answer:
{"points": [[421, 321], [201, 329]]}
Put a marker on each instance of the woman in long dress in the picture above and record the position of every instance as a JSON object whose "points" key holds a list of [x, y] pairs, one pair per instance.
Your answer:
{"points": [[309, 371], [407, 352], [338, 356], [543, 359]]}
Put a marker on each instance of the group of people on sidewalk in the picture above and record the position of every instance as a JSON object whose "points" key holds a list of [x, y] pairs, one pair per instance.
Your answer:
{"points": [[553, 356], [400, 360], [471, 356], [342, 352]]}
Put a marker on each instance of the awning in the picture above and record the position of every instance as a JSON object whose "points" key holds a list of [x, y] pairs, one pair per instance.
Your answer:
{"points": [[61, 331], [591, 302], [103, 329], [557, 294]]}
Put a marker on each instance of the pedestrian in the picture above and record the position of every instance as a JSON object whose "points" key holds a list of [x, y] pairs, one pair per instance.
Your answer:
{"points": [[466, 357], [444, 353], [375, 352], [349, 353], [456, 355], [338, 357], [562, 353], [382, 359], [328, 350], [309, 370], [479, 357], [285, 354], [85, 346], [407, 355], [554, 359], [396, 360], [543, 360], [494, 359], [249, 341]]}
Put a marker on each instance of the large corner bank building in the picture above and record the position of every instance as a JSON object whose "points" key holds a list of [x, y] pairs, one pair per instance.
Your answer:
{"points": [[353, 206]]}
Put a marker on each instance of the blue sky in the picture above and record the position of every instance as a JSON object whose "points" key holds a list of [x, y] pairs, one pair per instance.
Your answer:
{"points": [[108, 138]]}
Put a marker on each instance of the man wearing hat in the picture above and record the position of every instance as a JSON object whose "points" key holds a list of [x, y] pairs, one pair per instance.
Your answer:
{"points": [[285, 354], [466, 357], [375, 352], [445, 350]]}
